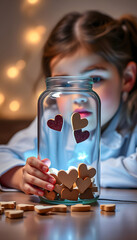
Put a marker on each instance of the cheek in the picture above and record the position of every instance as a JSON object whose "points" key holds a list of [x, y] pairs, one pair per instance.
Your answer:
{"points": [[60, 104], [109, 96], [63, 104], [65, 107]]}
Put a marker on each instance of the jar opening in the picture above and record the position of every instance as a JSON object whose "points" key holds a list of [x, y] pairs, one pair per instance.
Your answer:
{"points": [[77, 82]]}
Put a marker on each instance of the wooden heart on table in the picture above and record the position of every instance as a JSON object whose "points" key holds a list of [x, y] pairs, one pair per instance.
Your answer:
{"points": [[56, 124], [41, 209], [68, 178], [81, 136], [83, 172], [83, 184], [59, 208], [14, 213], [8, 205], [77, 122], [80, 208], [25, 207]]}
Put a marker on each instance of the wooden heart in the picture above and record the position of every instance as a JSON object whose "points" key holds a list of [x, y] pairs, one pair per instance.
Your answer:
{"points": [[1, 210], [83, 172], [69, 194], [108, 207], [87, 194], [59, 208], [25, 207], [58, 188], [83, 184], [68, 178], [94, 189], [55, 124], [81, 136], [14, 213], [80, 208], [55, 176], [9, 204], [77, 122], [41, 209], [50, 195]]}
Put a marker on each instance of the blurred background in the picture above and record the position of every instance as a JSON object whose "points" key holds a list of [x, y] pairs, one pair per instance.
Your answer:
{"points": [[25, 25]]}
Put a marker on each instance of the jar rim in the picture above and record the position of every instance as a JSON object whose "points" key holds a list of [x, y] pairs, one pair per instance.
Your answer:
{"points": [[75, 77]]}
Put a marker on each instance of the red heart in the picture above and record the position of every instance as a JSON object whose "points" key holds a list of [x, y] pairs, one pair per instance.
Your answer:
{"points": [[81, 136], [55, 124]]}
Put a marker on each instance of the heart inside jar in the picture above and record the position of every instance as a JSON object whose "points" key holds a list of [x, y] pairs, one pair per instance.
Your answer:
{"points": [[74, 184]]}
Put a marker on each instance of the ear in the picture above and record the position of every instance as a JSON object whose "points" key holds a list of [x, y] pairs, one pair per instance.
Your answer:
{"points": [[129, 77]]}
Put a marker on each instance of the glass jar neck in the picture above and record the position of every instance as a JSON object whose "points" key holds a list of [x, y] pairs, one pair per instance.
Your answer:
{"points": [[69, 82]]}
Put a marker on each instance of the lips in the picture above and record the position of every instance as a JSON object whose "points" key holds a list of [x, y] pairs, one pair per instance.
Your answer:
{"points": [[83, 112]]}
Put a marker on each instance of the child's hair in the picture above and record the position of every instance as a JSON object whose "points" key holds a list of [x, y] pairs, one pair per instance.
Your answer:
{"points": [[113, 39]]}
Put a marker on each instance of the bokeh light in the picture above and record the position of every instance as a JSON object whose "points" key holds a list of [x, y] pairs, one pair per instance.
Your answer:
{"points": [[33, 36], [41, 29], [2, 98], [14, 106], [33, 1], [12, 72], [20, 64]]}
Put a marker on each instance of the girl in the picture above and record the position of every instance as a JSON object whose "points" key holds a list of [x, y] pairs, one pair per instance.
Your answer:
{"points": [[99, 46]]}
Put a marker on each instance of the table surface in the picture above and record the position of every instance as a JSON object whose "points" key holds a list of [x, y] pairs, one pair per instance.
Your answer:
{"points": [[96, 224]]}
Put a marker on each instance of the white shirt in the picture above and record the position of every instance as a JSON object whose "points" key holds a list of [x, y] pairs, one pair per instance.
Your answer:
{"points": [[118, 154]]}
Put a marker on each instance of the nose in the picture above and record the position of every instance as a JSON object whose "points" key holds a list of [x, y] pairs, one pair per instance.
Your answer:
{"points": [[80, 100]]}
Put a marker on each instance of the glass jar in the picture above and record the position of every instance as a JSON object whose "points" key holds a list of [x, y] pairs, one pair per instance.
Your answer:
{"points": [[69, 129]]}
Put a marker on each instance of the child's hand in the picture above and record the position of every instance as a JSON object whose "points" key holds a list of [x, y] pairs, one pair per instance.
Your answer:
{"points": [[35, 176]]}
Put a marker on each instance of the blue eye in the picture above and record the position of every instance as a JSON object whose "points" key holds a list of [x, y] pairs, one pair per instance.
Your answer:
{"points": [[96, 79]]}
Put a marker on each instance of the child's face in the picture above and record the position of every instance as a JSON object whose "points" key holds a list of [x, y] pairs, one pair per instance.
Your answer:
{"points": [[89, 64]]}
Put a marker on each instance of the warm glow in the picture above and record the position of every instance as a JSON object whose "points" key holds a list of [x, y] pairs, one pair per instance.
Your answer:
{"points": [[14, 106], [33, 1], [12, 72], [33, 36], [2, 98], [39, 93], [20, 64], [41, 29]]}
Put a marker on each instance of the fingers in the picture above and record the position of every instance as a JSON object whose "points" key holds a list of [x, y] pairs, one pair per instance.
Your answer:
{"points": [[34, 162], [36, 178], [38, 182], [44, 176], [28, 189]]}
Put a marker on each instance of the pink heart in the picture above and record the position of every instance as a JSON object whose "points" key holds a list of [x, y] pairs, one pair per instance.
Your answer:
{"points": [[81, 136], [55, 124]]}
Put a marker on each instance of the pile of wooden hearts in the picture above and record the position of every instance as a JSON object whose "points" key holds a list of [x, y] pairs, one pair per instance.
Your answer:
{"points": [[76, 183]]}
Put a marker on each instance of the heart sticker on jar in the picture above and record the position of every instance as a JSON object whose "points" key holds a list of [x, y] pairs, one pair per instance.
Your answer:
{"points": [[77, 125], [56, 124], [77, 122], [81, 136]]}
